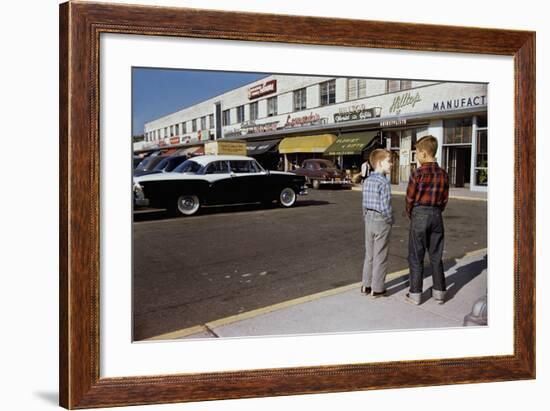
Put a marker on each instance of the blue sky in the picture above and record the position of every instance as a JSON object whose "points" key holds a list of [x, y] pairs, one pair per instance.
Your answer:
{"points": [[157, 92]]}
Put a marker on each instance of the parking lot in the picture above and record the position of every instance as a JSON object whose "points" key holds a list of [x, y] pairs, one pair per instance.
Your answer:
{"points": [[229, 260]]}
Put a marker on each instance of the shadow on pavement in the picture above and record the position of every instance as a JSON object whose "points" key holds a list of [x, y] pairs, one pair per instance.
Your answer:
{"points": [[462, 276], [160, 214]]}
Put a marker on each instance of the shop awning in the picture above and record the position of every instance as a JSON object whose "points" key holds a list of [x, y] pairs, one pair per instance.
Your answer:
{"points": [[190, 150], [306, 144], [351, 143], [253, 148], [169, 152]]}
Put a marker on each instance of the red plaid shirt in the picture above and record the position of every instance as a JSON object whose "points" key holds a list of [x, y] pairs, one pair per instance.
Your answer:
{"points": [[429, 186]]}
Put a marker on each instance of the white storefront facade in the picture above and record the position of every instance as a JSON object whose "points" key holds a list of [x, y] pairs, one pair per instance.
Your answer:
{"points": [[300, 117]]}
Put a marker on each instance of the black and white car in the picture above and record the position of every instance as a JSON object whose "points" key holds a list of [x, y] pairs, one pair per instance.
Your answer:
{"points": [[214, 180]]}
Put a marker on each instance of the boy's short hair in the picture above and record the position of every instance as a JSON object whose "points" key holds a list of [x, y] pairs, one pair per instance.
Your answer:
{"points": [[428, 144], [377, 156]]}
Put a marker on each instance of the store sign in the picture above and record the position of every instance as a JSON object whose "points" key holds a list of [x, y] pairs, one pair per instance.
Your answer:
{"points": [[174, 140], [356, 112], [186, 139], [457, 103], [393, 123], [262, 89], [233, 133], [404, 101], [225, 147], [309, 120], [250, 127]]}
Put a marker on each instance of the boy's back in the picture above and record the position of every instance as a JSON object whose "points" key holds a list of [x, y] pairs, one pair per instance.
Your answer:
{"points": [[427, 196], [428, 186]]}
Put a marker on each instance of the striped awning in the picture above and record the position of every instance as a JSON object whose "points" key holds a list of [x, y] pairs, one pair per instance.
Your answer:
{"points": [[307, 144]]}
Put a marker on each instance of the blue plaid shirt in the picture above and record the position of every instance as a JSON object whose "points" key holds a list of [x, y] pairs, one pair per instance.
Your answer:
{"points": [[377, 195]]}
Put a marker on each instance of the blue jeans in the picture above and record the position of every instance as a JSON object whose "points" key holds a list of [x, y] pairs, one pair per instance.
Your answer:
{"points": [[426, 234]]}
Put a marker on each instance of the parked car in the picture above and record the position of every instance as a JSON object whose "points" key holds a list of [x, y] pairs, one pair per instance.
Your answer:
{"points": [[136, 160], [164, 165], [213, 180], [320, 172], [148, 163]]}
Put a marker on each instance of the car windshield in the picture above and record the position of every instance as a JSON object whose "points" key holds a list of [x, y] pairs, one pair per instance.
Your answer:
{"points": [[144, 163], [162, 165], [188, 166], [322, 164]]}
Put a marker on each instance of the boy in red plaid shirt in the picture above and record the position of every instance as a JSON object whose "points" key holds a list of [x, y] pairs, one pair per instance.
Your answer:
{"points": [[427, 196]]}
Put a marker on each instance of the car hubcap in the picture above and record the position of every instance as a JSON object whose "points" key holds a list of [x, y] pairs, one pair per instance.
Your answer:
{"points": [[288, 197], [188, 204]]}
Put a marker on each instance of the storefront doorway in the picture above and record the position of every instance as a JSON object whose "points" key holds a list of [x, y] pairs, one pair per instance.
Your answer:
{"points": [[458, 160]]}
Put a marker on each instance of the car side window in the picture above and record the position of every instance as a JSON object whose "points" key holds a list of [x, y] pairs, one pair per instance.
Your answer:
{"points": [[217, 167], [243, 166]]}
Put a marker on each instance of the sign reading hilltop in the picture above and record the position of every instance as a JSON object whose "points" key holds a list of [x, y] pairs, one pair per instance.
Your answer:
{"points": [[403, 101], [262, 89]]}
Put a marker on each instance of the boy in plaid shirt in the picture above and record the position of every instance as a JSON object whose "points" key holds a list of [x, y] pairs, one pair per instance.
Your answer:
{"points": [[378, 215], [427, 196]]}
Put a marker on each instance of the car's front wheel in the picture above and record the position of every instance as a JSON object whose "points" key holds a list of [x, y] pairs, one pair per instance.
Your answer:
{"points": [[287, 197], [316, 184], [188, 204]]}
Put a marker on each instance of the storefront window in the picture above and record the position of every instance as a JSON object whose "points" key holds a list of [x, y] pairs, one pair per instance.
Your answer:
{"points": [[254, 111], [240, 114], [397, 85], [272, 106], [458, 131], [226, 118], [481, 168], [357, 88], [211, 120], [328, 92], [482, 121], [300, 99]]}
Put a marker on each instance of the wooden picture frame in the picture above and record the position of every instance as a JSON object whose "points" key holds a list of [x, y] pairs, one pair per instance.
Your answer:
{"points": [[80, 27]]}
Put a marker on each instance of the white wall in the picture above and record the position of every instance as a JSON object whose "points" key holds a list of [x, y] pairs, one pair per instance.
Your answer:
{"points": [[29, 263]]}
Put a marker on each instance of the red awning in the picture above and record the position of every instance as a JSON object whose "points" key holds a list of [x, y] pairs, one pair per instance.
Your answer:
{"points": [[169, 151]]}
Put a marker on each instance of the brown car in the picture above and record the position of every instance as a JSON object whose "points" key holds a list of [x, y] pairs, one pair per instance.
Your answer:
{"points": [[320, 172]]}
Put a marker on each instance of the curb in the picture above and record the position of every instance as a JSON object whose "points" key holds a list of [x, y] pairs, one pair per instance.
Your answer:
{"points": [[185, 332], [454, 197]]}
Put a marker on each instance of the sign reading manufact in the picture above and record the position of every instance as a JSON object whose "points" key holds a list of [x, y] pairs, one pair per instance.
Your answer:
{"points": [[457, 103]]}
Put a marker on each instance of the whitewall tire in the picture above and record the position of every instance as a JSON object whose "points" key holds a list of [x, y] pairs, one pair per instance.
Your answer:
{"points": [[287, 197], [188, 204]]}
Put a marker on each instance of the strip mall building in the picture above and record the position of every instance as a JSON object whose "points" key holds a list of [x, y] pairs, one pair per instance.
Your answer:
{"points": [[286, 119]]}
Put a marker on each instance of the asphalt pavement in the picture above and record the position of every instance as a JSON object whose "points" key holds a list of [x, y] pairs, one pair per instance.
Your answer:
{"points": [[230, 261]]}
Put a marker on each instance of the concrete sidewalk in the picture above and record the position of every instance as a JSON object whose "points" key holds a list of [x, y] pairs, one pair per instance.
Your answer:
{"points": [[459, 193], [345, 309]]}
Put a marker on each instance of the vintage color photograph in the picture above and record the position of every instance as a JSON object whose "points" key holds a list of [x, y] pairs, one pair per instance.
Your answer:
{"points": [[282, 204]]}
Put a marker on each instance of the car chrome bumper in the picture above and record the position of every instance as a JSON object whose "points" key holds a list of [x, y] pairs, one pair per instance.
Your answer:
{"points": [[336, 182]]}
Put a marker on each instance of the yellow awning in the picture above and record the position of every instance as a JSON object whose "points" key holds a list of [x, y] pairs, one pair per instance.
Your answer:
{"points": [[306, 144]]}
